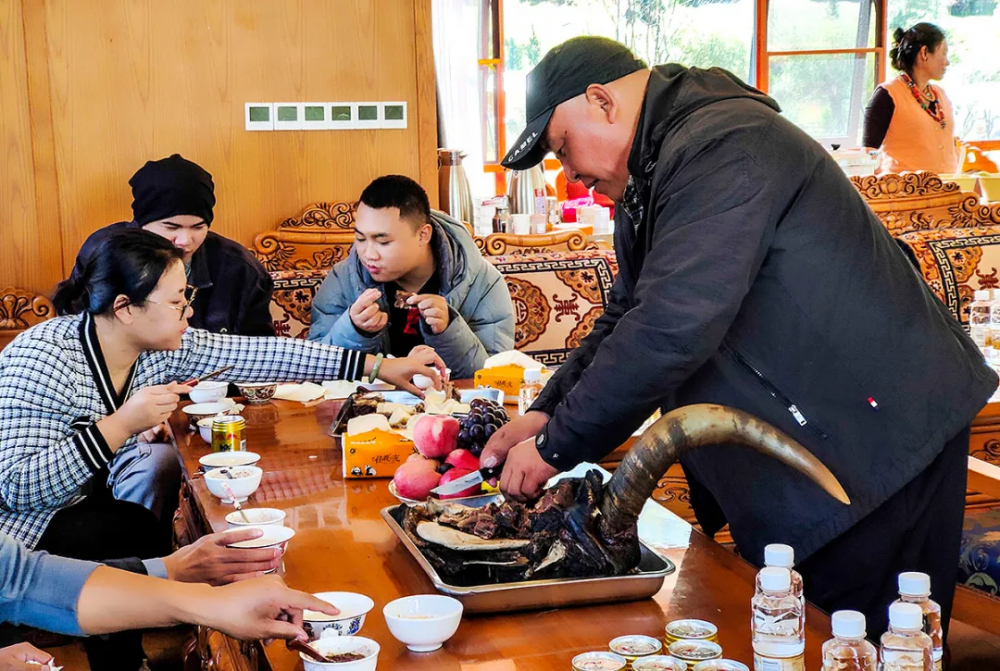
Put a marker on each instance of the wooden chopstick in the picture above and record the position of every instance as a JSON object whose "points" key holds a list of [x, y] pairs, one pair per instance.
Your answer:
{"points": [[206, 376]]}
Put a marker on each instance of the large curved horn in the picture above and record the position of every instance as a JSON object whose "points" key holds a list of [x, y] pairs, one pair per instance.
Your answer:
{"points": [[683, 430]]}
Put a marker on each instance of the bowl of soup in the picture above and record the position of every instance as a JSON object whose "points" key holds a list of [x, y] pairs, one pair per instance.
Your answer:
{"points": [[242, 481]]}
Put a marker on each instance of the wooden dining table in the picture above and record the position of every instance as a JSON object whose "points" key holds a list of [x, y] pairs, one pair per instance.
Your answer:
{"points": [[342, 544]]}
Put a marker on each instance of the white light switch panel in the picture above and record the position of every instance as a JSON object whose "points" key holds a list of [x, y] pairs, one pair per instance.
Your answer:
{"points": [[259, 116]]}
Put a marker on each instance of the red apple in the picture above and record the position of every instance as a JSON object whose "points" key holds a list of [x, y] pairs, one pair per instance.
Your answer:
{"points": [[435, 435], [463, 459], [415, 479], [454, 474]]}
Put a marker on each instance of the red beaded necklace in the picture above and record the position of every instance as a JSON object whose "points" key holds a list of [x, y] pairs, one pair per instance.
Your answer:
{"points": [[928, 101]]}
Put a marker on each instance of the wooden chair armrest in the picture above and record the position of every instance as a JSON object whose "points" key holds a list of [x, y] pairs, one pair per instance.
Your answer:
{"points": [[977, 609], [984, 477]]}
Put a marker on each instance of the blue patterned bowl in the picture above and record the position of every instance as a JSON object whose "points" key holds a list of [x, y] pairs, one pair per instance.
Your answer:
{"points": [[353, 609]]}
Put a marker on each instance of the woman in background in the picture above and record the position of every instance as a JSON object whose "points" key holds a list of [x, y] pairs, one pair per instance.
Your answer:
{"points": [[909, 120]]}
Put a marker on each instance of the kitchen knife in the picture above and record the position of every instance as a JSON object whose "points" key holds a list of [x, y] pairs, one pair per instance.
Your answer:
{"points": [[466, 481]]}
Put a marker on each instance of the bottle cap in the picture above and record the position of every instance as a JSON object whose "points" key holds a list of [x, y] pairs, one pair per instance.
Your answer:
{"points": [[778, 554], [848, 624], [532, 374], [906, 616], [775, 579], [982, 295], [912, 583]]}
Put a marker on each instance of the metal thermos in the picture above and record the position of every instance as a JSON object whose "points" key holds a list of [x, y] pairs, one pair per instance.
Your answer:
{"points": [[523, 187], [453, 186]]}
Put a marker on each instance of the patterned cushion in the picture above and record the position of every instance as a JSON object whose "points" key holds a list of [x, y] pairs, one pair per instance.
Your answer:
{"points": [[955, 262], [291, 302], [979, 561], [557, 298]]}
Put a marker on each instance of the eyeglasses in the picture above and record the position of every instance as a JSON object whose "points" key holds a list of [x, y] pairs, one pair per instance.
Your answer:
{"points": [[189, 293]]}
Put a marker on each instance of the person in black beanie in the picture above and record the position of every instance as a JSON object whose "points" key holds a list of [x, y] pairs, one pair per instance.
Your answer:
{"points": [[175, 198]]}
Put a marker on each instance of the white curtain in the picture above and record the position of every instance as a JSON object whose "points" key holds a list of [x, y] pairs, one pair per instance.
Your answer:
{"points": [[456, 55]]}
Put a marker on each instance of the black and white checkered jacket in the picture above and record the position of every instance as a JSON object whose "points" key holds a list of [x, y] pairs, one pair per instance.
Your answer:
{"points": [[54, 387]]}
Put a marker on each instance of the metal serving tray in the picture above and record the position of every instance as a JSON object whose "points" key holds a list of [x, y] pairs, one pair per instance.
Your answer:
{"points": [[543, 594]]}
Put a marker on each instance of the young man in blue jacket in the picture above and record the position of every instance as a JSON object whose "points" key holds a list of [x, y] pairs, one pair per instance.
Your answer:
{"points": [[414, 277], [753, 275]]}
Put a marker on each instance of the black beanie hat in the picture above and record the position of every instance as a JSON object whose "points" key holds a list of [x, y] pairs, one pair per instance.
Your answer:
{"points": [[171, 186]]}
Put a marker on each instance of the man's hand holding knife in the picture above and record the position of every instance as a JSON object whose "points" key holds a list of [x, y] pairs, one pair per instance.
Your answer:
{"points": [[513, 445]]}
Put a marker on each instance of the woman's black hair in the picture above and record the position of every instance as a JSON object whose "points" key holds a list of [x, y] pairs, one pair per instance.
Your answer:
{"points": [[907, 44], [130, 263]]}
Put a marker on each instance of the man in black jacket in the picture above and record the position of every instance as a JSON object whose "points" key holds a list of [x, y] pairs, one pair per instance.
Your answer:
{"points": [[175, 198], [753, 275]]}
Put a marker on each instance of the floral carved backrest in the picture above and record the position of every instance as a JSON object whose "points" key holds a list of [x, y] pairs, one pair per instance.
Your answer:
{"points": [[500, 244], [557, 298], [20, 310], [291, 300], [320, 236], [920, 201]]}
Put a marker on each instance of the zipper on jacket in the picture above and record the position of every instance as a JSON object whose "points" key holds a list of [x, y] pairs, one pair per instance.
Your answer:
{"points": [[777, 394]]}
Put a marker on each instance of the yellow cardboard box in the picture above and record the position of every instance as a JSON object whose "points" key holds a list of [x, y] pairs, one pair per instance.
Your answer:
{"points": [[375, 454], [506, 378]]}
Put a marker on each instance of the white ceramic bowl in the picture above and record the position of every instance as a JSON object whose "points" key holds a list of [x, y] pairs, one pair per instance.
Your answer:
{"points": [[353, 610], [245, 482], [209, 391], [199, 411], [228, 459], [423, 622], [259, 517], [257, 393], [274, 537], [205, 429], [341, 644], [424, 381]]}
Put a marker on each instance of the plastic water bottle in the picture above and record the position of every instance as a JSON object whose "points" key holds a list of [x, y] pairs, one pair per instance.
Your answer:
{"points": [[530, 389], [779, 623], [916, 588], [783, 556], [980, 322], [995, 328], [848, 650], [905, 647]]}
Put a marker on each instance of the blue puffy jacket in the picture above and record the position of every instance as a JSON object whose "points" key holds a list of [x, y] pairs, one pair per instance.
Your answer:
{"points": [[481, 312]]}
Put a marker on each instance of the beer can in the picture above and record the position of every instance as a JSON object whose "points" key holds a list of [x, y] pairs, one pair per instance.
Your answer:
{"points": [[659, 663], [691, 630], [721, 665], [227, 434], [692, 652], [599, 661], [634, 647]]}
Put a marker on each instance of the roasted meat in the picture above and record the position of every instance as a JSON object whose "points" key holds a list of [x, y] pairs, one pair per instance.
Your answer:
{"points": [[581, 527]]}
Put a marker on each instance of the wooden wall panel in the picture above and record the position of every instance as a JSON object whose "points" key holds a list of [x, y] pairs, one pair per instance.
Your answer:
{"points": [[119, 82], [30, 253]]}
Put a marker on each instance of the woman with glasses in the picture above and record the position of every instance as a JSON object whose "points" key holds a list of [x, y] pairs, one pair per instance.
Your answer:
{"points": [[77, 391]]}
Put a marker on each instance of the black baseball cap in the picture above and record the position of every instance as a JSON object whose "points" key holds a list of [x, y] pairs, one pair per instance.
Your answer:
{"points": [[564, 73]]}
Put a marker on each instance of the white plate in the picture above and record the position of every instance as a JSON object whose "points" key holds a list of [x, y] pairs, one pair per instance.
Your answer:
{"points": [[470, 501]]}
